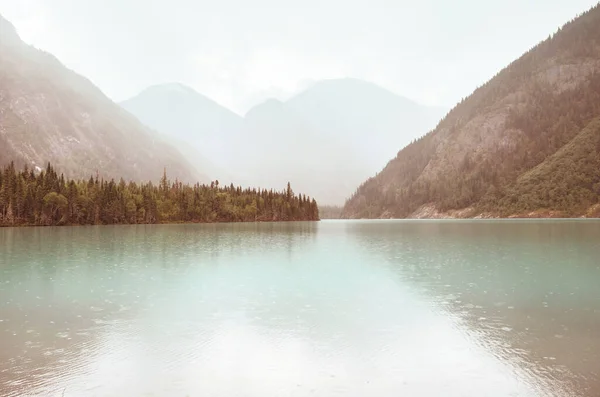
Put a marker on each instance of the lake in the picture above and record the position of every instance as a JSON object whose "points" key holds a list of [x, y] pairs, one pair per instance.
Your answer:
{"points": [[348, 308]]}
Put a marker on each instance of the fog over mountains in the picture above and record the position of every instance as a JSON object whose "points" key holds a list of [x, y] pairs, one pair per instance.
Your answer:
{"points": [[525, 143], [324, 141]]}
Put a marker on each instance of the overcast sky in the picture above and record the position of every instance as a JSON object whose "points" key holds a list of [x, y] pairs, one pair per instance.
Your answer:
{"points": [[239, 52]]}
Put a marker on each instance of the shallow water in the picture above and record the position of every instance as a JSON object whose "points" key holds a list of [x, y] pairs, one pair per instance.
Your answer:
{"points": [[352, 308]]}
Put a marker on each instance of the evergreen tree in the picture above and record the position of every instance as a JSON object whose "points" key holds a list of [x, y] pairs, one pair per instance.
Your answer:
{"points": [[50, 199]]}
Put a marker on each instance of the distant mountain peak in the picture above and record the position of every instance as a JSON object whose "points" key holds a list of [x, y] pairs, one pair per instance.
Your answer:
{"points": [[349, 89], [173, 94], [201, 128], [272, 102], [267, 106]]}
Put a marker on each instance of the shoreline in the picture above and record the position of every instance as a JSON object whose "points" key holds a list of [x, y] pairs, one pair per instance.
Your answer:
{"points": [[429, 211], [2, 226]]}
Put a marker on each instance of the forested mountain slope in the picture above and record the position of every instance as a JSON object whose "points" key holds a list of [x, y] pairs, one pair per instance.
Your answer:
{"points": [[568, 181], [49, 113], [522, 144]]}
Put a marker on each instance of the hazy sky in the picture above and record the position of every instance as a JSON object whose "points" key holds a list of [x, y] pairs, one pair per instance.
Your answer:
{"points": [[240, 52]]}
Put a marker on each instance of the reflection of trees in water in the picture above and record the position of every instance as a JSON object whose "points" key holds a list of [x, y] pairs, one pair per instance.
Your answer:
{"points": [[61, 285], [526, 290], [168, 245]]}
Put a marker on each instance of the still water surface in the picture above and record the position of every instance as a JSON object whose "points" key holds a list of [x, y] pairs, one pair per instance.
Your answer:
{"points": [[349, 308]]}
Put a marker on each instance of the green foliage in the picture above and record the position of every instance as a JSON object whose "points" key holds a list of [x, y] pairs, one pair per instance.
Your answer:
{"points": [[569, 181], [46, 198]]}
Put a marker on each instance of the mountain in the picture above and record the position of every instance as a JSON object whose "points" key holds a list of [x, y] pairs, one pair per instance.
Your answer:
{"points": [[376, 120], [526, 143], [49, 113], [191, 122], [282, 146], [325, 140], [333, 135]]}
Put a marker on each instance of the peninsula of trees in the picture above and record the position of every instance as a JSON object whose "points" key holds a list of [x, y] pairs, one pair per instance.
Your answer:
{"points": [[46, 198]]}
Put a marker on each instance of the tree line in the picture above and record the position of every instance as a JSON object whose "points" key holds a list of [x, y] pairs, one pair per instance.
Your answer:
{"points": [[45, 198]]}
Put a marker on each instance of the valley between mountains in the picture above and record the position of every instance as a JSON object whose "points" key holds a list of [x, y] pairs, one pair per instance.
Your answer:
{"points": [[524, 144]]}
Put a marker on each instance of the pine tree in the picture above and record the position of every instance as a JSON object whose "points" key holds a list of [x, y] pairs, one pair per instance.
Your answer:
{"points": [[50, 199]]}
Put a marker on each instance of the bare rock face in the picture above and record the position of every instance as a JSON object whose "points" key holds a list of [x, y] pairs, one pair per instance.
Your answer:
{"points": [[49, 113]]}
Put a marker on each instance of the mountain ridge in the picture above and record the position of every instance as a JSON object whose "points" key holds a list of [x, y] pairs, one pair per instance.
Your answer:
{"points": [[50, 113], [184, 117], [509, 125]]}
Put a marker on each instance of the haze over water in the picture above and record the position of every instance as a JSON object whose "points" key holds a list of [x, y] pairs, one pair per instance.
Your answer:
{"points": [[352, 308]]}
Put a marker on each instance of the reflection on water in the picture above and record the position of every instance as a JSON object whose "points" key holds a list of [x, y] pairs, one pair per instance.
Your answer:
{"points": [[380, 308], [525, 290]]}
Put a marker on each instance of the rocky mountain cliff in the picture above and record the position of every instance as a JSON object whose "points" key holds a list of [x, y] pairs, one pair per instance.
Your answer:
{"points": [[523, 144], [49, 113]]}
